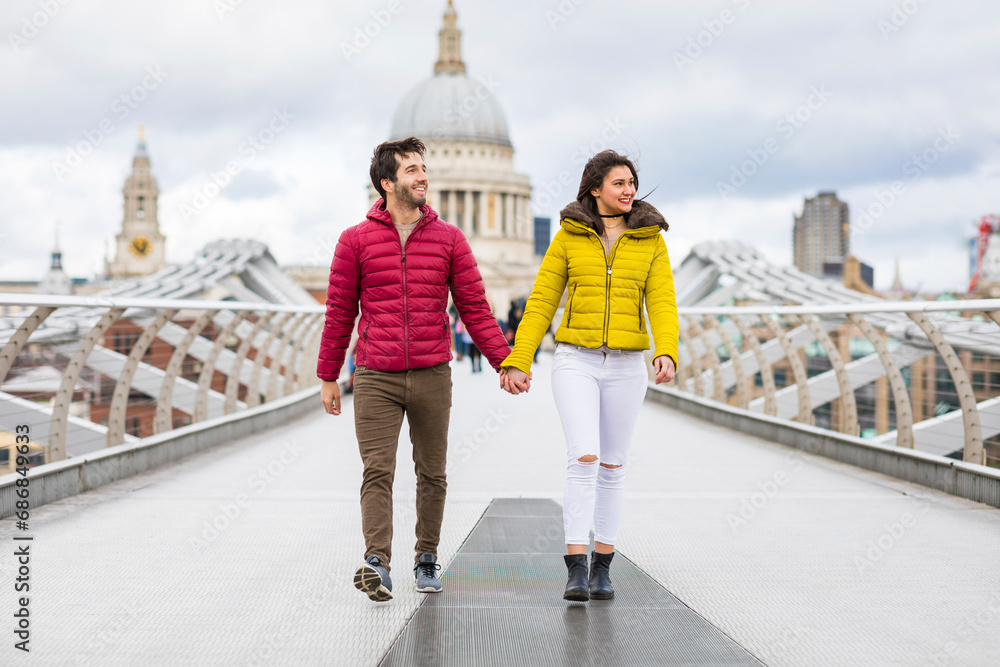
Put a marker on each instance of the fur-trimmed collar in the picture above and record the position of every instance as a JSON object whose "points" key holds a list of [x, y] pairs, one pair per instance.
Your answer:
{"points": [[642, 215]]}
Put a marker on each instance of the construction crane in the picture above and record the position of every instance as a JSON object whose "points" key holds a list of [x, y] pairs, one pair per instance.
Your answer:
{"points": [[986, 226]]}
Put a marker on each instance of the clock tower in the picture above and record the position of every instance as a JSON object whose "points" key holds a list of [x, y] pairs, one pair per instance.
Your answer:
{"points": [[140, 243]]}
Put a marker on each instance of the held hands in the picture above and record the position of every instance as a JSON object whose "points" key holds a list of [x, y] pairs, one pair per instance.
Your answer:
{"points": [[664, 368], [330, 395], [514, 380]]}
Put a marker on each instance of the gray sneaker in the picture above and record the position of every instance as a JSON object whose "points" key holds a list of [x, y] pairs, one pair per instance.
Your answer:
{"points": [[425, 572], [373, 580]]}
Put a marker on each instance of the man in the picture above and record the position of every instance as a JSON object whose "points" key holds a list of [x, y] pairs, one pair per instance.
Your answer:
{"points": [[399, 265]]}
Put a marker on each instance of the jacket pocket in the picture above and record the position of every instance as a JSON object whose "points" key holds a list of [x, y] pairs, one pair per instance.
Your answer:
{"points": [[642, 320], [569, 306]]}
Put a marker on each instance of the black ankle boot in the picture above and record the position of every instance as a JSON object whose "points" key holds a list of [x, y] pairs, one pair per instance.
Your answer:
{"points": [[576, 586], [600, 579]]}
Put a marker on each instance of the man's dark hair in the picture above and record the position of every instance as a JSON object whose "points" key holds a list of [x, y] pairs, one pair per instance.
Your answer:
{"points": [[385, 164]]}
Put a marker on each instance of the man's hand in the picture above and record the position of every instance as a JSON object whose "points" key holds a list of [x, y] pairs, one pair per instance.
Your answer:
{"points": [[515, 381], [330, 394], [664, 368]]}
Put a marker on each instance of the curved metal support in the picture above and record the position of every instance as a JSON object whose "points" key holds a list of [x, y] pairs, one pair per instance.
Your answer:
{"points": [[798, 369], [304, 354], [278, 362], [766, 372], [973, 451], [164, 403], [60, 410], [848, 402], [312, 346], [686, 354], [233, 379], [717, 390], [20, 337], [253, 389], [900, 396], [742, 398], [119, 400], [208, 369], [292, 369], [696, 369]]}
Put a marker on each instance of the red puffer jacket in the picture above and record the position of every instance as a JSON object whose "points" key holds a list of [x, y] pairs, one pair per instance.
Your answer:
{"points": [[403, 295]]}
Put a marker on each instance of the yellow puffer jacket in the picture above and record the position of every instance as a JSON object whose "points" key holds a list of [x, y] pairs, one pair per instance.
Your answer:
{"points": [[606, 294]]}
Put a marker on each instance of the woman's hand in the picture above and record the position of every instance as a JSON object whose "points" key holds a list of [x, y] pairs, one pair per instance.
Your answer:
{"points": [[514, 380], [664, 368]]}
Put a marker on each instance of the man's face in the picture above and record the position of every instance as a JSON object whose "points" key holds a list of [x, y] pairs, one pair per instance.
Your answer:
{"points": [[410, 188]]}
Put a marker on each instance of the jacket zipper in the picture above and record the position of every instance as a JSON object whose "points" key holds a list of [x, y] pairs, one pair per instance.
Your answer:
{"points": [[607, 286], [569, 319], [406, 319]]}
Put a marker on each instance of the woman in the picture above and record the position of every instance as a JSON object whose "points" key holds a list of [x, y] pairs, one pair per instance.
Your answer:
{"points": [[611, 256]]}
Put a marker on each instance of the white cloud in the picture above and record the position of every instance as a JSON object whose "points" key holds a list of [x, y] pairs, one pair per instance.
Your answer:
{"points": [[562, 84]]}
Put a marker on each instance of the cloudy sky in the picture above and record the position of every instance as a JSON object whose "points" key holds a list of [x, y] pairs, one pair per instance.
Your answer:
{"points": [[734, 109]]}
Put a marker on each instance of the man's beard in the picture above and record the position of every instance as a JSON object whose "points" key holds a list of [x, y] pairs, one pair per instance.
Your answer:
{"points": [[406, 197]]}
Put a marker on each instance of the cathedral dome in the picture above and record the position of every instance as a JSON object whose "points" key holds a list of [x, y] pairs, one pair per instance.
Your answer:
{"points": [[451, 107]]}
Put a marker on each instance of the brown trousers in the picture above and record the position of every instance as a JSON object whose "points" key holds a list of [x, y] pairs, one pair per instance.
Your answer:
{"points": [[380, 400]]}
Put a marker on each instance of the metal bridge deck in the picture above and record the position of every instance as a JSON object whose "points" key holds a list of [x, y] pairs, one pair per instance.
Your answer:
{"points": [[504, 607], [244, 555]]}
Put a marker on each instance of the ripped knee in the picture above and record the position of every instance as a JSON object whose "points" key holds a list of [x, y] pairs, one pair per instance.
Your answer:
{"points": [[610, 466], [588, 458]]}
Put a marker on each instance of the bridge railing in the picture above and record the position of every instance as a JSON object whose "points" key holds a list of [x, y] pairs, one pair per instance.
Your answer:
{"points": [[835, 366], [91, 372]]}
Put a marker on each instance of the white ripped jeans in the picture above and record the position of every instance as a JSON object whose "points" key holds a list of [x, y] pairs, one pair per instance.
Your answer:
{"points": [[598, 394]]}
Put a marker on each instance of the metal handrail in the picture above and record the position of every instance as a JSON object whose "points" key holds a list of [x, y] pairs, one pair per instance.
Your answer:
{"points": [[896, 317], [155, 316]]}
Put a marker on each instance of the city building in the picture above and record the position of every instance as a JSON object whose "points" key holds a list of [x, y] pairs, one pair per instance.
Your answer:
{"points": [[821, 236], [470, 165], [55, 281], [140, 245]]}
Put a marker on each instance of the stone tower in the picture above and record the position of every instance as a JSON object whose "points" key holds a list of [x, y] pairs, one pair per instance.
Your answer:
{"points": [[140, 244]]}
